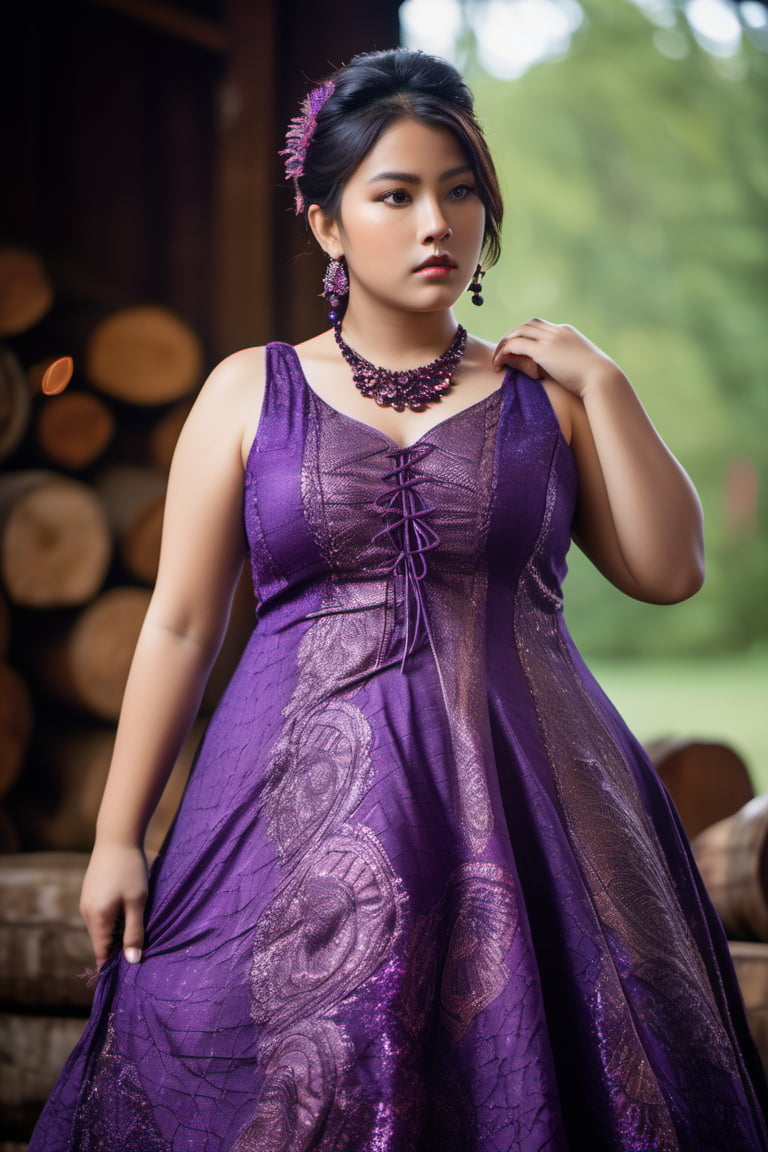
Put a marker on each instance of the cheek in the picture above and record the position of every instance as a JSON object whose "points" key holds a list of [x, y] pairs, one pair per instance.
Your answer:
{"points": [[469, 225], [480, 222], [370, 236]]}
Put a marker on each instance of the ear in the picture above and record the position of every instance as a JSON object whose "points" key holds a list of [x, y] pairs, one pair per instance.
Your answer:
{"points": [[326, 231]]}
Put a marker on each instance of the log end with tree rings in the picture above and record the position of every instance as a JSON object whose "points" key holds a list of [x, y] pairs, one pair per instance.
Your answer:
{"points": [[15, 403], [26, 292], [55, 542], [732, 857], [144, 355], [74, 430], [88, 665]]}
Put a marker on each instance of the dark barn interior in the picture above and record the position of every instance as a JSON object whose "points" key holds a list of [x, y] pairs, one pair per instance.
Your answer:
{"points": [[145, 138]]}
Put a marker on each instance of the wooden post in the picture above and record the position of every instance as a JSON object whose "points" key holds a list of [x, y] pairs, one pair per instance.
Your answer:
{"points": [[243, 310]]}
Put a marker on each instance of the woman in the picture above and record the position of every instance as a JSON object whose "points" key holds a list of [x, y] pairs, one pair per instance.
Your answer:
{"points": [[424, 890]]}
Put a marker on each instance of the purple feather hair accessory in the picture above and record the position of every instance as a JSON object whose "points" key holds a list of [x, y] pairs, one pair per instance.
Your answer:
{"points": [[299, 134]]}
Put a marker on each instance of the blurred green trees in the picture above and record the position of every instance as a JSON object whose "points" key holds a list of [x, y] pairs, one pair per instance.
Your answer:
{"points": [[636, 188]]}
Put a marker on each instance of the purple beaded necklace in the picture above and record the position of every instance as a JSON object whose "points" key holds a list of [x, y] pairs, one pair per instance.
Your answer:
{"points": [[412, 388]]}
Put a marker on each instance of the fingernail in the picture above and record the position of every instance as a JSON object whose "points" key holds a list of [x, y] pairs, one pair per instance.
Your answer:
{"points": [[133, 955]]}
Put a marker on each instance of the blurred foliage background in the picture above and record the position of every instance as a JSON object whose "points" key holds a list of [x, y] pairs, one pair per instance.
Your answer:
{"points": [[634, 163], [636, 188]]}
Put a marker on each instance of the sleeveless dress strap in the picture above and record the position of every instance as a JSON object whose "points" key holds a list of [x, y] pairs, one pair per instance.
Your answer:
{"points": [[273, 504], [285, 405]]}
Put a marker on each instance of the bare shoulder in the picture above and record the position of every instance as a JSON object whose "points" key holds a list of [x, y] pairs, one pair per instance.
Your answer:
{"points": [[565, 405], [240, 372], [231, 397]]}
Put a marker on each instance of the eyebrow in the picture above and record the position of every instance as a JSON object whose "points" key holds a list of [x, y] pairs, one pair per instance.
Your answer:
{"points": [[410, 178]]}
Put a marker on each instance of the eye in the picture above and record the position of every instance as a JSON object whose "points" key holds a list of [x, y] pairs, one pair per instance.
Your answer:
{"points": [[397, 196], [460, 192]]}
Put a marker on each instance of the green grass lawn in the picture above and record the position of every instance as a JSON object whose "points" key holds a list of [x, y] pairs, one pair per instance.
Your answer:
{"points": [[724, 699]]}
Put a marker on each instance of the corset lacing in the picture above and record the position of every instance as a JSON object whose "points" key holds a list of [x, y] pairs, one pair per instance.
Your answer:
{"points": [[405, 527]]}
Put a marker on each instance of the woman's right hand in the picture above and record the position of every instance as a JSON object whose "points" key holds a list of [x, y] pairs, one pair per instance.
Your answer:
{"points": [[202, 554], [113, 897]]}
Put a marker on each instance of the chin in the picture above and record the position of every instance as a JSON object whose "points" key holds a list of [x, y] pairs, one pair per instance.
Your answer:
{"points": [[438, 297]]}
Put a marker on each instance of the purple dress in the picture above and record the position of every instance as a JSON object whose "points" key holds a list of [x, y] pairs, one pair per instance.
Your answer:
{"points": [[424, 893]]}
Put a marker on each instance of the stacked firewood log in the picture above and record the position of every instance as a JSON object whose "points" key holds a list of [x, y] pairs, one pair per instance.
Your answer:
{"points": [[92, 401], [83, 468]]}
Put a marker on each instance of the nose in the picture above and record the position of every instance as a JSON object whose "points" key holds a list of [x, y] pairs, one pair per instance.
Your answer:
{"points": [[434, 226]]}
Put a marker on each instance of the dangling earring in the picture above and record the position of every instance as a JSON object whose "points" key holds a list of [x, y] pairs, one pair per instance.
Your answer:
{"points": [[335, 285], [476, 287]]}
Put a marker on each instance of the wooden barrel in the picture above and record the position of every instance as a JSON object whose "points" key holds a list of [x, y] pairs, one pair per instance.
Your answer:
{"points": [[707, 780], [751, 963], [732, 857]]}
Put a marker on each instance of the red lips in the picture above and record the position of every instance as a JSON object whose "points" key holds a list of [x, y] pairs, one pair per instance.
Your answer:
{"points": [[437, 262]]}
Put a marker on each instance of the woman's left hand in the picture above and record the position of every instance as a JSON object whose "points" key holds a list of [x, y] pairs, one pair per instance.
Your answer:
{"points": [[558, 351], [638, 517]]}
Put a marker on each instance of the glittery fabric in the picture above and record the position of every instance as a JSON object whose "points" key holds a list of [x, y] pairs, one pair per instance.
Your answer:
{"points": [[425, 893]]}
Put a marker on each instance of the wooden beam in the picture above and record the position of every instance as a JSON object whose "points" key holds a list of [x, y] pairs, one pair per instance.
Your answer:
{"points": [[169, 18], [245, 179]]}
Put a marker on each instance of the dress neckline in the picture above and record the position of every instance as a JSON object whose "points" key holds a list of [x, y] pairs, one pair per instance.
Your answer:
{"points": [[376, 432]]}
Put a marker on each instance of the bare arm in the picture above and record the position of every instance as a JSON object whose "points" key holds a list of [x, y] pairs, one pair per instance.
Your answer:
{"points": [[201, 557], [638, 517]]}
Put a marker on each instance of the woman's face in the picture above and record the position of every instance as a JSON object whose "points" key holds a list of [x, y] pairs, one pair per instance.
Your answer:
{"points": [[411, 223]]}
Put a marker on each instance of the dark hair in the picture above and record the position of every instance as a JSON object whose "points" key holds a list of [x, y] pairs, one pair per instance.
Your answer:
{"points": [[370, 94]]}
